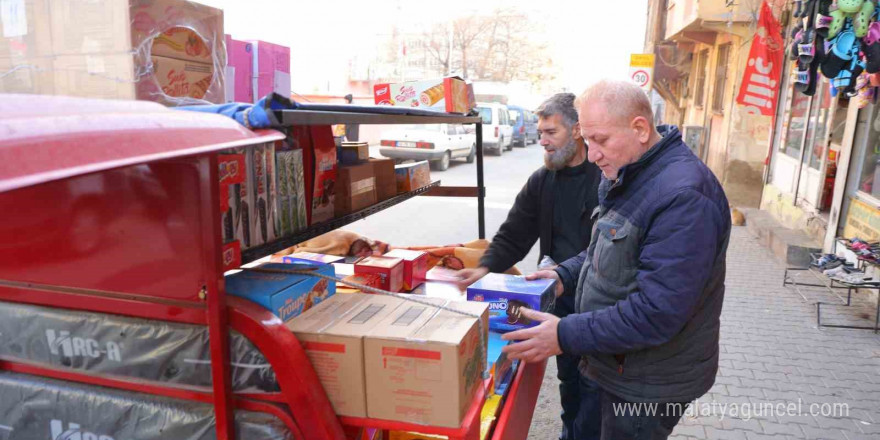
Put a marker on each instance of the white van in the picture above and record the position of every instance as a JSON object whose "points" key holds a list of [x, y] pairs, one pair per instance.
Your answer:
{"points": [[497, 128]]}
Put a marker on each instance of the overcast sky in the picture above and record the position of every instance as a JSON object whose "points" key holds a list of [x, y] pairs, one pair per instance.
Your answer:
{"points": [[589, 40]]}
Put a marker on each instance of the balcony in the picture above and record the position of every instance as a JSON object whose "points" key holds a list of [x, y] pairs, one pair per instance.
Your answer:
{"points": [[700, 20]]}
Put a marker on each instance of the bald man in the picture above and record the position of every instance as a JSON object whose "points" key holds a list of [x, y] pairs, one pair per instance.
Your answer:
{"points": [[651, 283]]}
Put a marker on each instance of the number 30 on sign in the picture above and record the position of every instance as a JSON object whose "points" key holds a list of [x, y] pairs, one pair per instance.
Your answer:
{"points": [[641, 70]]}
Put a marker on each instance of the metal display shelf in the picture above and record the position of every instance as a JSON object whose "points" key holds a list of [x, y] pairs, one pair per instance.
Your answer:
{"points": [[282, 243], [320, 117]]}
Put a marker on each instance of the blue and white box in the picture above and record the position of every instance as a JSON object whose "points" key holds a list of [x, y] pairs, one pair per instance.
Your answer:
{"points": [[507, 295], [286, 295]]}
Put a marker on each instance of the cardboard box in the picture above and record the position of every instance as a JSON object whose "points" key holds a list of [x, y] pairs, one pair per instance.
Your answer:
{"points": [[27, 75], [390, 269], [271, 69], [354, 153], [105, 76], [232, 172], [507, 294], [231, 255], [239, 71], [356, 189], [386, 179], [448, 95], [423, 365], [25, 32], [321, 173], [412, 176], [291, 192], [263, 194], [181, 78], [366, 279], [312, 258], [415, 266], [332, 335], [285, 295], [103, 48]]}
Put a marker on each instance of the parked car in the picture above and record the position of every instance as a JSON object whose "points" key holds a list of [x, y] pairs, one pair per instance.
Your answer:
{"points": [[497, 128], [437, 143], [525, 126]]}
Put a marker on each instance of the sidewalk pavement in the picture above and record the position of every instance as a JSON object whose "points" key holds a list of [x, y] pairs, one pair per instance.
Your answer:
{"points": [[780, 377]]}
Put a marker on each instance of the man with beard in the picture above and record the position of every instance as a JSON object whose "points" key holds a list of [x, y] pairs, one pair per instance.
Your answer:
{"points": [[555, 205]]}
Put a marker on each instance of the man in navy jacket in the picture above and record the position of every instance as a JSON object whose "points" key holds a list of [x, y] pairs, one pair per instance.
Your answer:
{"points": [[651, 283]]}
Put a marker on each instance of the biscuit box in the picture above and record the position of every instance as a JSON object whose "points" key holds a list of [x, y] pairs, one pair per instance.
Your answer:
{"points": [[390, 269], [312, 258], [415, 266], [285, 295], [450, 95], [507, 294], [412, 176], [332, 335]]}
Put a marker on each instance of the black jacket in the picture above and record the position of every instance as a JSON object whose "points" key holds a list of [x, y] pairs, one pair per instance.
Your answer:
{"points": [[531, 218]]}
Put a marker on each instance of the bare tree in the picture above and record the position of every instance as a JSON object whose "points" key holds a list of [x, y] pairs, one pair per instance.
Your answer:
{"points": [[465, 32], [438, 45]]}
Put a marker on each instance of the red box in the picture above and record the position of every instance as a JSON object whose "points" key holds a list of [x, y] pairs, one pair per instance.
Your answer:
{"points": [[389, 269], [415, 266], [231, 255]]}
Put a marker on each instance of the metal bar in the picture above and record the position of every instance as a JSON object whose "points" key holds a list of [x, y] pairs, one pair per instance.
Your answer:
{"points": [[453, 191], [316, 117], [481, 198], [218, 328], [282, 243]]}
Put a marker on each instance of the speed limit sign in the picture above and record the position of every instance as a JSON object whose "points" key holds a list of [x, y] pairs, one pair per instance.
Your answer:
{"points": [[641, 70]]}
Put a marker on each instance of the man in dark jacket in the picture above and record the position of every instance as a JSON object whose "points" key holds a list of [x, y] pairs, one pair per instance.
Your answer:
{"points": [[651, 283], [555, 206]]}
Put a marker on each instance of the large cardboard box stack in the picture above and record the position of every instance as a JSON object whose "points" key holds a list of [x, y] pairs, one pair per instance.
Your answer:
{"points": [[271, 69], [384, 357], [423, 365], [169, 51], [332, 335]]}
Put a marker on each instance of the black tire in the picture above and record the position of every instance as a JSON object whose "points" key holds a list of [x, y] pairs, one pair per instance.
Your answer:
{"points": [[442, 164], [509, 146], [472, 155]]}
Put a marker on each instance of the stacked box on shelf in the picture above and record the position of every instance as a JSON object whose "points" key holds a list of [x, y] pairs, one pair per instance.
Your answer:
{"points": [[232, 172], [239, 68], [412, 176], [386, 179], [450, 95], [290, 186], [169, 51], [271, 69], [356, 188]]}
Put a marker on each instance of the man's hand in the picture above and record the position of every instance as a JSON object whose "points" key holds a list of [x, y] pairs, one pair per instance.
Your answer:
{"points": [[535, 343], [549, 274], [470, 276]]}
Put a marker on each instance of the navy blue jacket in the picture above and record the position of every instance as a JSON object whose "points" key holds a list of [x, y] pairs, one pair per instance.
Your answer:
{"points": [[651, 283]]}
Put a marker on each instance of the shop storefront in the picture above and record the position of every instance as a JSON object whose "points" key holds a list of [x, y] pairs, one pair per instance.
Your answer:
{"points": [[860, 213], [807, 145]]}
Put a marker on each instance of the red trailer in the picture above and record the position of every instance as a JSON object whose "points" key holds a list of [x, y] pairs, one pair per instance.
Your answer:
{"points": [[110, 209]]}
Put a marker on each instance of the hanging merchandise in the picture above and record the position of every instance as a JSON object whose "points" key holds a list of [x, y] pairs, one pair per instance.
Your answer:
{"points": [[760, 84], [808, 50]]}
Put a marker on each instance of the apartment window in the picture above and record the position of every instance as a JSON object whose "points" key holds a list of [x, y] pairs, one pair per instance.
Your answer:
{"points": [[700, 83], [721, 71]]}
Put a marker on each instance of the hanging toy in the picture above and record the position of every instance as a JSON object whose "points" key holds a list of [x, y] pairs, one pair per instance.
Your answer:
{"points": [[860, 11]]}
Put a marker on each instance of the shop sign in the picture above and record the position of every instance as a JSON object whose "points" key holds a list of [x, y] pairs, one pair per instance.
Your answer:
{"points": [[759, 89], [862, 221]]}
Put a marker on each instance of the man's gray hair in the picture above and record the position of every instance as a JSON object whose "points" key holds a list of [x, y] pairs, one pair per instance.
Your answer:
{"points": [[622, 99], [560, 104]]}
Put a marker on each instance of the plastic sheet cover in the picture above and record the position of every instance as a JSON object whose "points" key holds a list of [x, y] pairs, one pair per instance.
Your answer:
{"points": [[38, 408], [121, 346]]}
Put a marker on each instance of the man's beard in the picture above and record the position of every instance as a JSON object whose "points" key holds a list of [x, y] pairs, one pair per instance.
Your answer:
{"points": [[560, 158]]}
